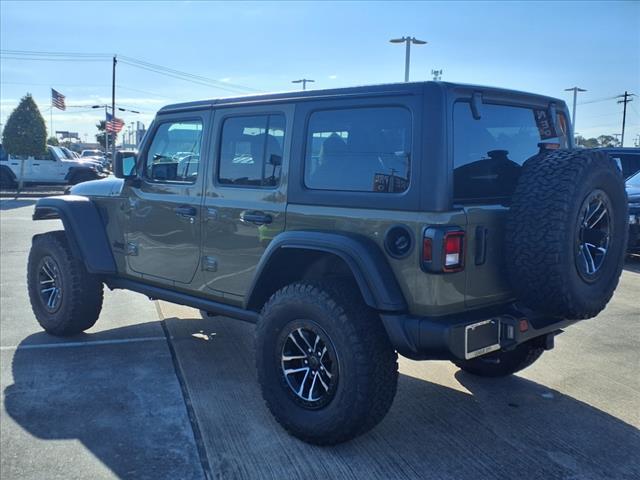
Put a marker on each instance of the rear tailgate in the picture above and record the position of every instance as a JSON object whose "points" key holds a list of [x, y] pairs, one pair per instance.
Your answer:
{"points": [[491, 142], [486, 279]]}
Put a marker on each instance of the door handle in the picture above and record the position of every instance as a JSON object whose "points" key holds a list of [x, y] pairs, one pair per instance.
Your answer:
{"points": [[257, 218], [185, 211]]}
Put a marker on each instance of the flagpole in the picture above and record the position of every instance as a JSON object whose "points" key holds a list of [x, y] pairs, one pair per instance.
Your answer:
{"points": [[51, 113]]}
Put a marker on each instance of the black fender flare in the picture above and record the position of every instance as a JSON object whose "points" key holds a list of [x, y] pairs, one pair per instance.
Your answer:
{"points": [[84, 227], [369, 266]]}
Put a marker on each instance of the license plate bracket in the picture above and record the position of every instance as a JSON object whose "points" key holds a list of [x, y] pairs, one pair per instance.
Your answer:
{"points": [[481, 338]]}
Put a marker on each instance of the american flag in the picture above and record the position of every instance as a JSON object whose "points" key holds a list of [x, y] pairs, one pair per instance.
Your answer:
{"points": [[114, 124], [57, 100]]}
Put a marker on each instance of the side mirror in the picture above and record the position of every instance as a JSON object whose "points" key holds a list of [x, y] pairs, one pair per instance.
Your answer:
{"points": [[125, 164]]}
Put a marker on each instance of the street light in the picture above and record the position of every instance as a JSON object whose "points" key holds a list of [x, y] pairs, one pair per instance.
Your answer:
{"points": [[408, 41], [304, 82], [575, 91]]}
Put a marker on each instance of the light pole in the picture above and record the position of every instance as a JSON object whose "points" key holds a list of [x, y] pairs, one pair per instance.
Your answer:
{"points": [[304, 82], [407, 58], [575, 91]]}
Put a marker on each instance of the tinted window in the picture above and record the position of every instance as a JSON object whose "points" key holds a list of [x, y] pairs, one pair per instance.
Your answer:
{"points": [[251, 150], [489, 152], [629, 163], [363, 150], [174, 154]]}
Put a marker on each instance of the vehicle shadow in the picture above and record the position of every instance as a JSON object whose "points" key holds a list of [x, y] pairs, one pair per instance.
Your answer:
{"points": [[121, 400], [12, 204], [116, 402]]}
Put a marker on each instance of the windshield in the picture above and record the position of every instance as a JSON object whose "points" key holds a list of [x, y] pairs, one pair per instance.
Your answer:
{"points": [[67, 153], [91, 153], [634, 180]]}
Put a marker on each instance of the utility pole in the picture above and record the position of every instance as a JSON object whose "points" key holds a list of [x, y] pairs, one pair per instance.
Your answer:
{"points": [[626, 98], [407, 55], [575, 91], [113, 106], [304, 82]]}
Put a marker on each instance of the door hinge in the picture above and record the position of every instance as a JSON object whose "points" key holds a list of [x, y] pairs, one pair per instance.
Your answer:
{"points": [[209, 264]]}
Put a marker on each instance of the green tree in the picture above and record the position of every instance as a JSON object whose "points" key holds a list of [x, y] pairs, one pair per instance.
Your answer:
{"points": [[100, 136], [53, 141], [25, 132], [608, 141], [587, 142]]}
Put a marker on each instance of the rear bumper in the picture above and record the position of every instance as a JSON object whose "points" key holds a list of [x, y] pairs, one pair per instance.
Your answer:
{"points": [[443, 338]]}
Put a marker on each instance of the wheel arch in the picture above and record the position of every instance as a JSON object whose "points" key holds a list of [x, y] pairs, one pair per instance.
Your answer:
{"points": [[84, 228], [301, 255]]}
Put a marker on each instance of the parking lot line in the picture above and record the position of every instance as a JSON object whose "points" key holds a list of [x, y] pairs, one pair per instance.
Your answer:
{"points": [[82, 344]]}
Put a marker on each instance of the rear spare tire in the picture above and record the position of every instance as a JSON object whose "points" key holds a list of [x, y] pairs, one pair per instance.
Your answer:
{"points": [[566, 233]]}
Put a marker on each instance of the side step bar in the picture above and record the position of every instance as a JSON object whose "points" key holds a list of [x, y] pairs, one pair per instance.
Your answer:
{"points": [[172, 296]]}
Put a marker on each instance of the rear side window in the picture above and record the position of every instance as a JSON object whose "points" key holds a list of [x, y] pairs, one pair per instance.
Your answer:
{"points": [[360, 149], [251, 151], [488, 153], [174, 154]]}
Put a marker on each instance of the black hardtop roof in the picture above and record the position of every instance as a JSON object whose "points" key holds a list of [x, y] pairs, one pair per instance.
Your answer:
{"points": [[410, 88]]}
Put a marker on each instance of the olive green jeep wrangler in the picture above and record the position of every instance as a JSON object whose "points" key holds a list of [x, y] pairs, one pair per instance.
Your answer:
{"points": [[434, 220]]}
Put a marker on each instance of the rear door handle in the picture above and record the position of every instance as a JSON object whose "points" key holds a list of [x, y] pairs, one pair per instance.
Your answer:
{"points": [[257, 218], [185, 211]]}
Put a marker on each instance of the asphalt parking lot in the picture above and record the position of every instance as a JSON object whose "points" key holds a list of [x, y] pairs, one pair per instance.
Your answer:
{"points": [[154, 391]]}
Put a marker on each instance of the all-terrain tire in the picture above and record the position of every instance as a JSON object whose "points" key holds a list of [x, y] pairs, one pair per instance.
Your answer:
{"points": [[52, 264], [545, 232], [367, 369], [501, 364]]}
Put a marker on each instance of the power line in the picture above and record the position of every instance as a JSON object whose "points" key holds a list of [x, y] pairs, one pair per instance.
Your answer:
{"points": [[88, 85], [134, 62], [598, 100], [186, 74]]}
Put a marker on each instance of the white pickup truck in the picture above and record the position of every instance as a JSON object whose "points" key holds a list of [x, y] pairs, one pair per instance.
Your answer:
{"points": [[53, 168]]}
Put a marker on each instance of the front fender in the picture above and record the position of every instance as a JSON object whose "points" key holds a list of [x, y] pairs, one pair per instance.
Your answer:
{"points": [[84, 227], [369, 266]]}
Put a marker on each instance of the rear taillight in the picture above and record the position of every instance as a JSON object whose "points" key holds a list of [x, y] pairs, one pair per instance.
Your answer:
{"points": [[443, 249], [453, 251], [427, 250]]}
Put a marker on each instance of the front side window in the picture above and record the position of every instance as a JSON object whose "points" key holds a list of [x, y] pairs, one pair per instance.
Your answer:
{"points": [[174, 154], [488, 152], [359, 149], [251, 151]]}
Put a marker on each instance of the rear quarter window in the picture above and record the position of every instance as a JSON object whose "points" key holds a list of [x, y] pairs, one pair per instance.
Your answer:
{"points": [[365, 149], [488, 152]]}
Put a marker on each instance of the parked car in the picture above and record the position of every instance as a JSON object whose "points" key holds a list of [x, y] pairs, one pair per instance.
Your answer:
{"points": [[70, 154], [440, 221], [103, 158], [633, 194], [53, 168], [628, 159]]}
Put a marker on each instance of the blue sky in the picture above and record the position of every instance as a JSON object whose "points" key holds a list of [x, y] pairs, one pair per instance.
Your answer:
{"points": [[542, 47]]}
